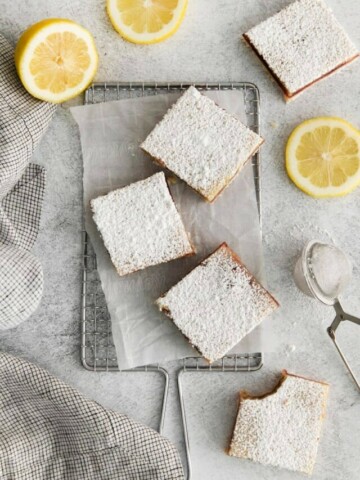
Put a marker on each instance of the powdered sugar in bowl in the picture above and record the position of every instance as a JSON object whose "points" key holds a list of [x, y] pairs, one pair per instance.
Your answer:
{"points": [[322, 271]]}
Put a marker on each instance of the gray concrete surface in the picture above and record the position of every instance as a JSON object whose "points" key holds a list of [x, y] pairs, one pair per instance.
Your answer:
{"points": [[206, 48]]}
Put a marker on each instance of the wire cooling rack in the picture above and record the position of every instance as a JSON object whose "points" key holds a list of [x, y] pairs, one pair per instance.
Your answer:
{"points": [[97, 347]]}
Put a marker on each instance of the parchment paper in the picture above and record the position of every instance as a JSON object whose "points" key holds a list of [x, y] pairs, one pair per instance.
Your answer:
{"points": [[110, 137]]}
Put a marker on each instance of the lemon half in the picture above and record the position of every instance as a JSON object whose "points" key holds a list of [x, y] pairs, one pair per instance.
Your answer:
{"points": [[146, 21], [323, 157], [56, 59]]}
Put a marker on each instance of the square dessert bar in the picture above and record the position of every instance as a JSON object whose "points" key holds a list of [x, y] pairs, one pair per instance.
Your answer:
{"points": [[283, 427], [140, 225], [201, 143], [217, 304], [301, 45]]}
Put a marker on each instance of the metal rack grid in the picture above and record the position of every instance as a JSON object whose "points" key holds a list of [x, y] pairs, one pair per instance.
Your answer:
{"points": [[97, 347]]}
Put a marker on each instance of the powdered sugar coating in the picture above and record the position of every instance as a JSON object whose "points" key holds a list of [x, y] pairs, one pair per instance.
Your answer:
{"points": [[201, 143], [140, 225], [282, 429], [302, 43], [217, 304]]}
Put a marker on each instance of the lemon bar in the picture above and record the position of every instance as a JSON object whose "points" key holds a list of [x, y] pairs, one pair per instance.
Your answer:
{"points": [[301, 45], [201, 143], [217, 304], [140, 225], [282, 428]]}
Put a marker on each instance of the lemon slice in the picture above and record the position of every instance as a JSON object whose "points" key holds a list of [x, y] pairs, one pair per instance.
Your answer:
{"points": [[146, 21], [323, 157], [56, 59]]}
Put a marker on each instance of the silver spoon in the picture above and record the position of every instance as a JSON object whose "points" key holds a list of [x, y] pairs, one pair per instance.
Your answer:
{"points": [[322, 272]]}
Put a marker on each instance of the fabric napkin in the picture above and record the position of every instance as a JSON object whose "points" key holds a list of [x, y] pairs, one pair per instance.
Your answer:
{"points": [[23, 120], [50, 431]]}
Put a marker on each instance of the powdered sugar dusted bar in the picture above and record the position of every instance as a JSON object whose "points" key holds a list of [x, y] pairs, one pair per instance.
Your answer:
{"points": [[140, 225], [302, 44], [217, 304], [201, 143], [282, 428]]}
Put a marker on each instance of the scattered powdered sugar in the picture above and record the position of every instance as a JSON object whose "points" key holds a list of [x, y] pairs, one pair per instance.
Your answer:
{"points": [[217, 304], [283, 428], [201, 143], [298, 229], [290, 348], [302, 43], [140, 225], [331, 269]]}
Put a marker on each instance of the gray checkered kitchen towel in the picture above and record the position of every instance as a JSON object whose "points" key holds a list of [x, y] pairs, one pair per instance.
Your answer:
{"points": [[23, 120], [49, 431]]}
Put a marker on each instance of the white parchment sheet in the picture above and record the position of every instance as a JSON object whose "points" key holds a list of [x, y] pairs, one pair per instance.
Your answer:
{"points": [[110, 137]]}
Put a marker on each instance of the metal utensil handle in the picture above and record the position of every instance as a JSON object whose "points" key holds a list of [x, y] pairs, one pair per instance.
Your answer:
{"points": [[342, 316]]}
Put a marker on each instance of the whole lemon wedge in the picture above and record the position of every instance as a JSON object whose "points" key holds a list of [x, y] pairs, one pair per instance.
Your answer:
{"points": [[323, 157], [146, 21], [56, 59]]}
